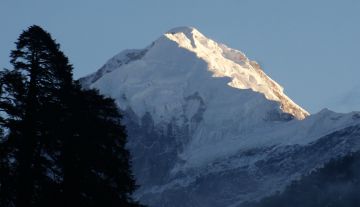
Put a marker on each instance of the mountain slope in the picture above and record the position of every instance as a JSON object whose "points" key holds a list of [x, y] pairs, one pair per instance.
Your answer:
{"points": [[202, 116], [226, 62], [335, 184]]}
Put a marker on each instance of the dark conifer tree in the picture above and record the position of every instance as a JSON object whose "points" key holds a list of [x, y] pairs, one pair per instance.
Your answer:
{"points": [[96, 167], [25, 92], [62, 146]]}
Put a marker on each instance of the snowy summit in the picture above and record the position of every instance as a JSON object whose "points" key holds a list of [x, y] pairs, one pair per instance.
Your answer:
{"points": [[202, 116], [183, 53]]}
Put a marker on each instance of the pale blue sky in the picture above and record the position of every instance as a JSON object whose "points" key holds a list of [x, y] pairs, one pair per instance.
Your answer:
{"points": [[311, 47]]}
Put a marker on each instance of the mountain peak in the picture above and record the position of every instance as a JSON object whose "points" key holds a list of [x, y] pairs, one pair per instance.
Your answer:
{"points": [[184, 55], [185, 36]]}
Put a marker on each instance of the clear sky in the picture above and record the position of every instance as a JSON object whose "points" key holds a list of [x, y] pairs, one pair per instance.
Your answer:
{"points": [[311, 47]]}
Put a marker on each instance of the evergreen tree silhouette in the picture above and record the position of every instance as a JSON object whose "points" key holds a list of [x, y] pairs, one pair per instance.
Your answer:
{"points": [[61, 146], [25, 91], [96, 167]]}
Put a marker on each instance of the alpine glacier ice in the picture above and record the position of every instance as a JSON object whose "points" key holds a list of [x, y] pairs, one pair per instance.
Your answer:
{"points": [[202, 116]]}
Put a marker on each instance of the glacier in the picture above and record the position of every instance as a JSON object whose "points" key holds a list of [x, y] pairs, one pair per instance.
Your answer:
{"points": [[208, 127]]}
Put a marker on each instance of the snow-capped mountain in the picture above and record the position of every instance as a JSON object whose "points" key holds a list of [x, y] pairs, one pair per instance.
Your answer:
{"points": [[207, 126], [180, 59]]}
